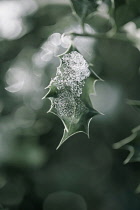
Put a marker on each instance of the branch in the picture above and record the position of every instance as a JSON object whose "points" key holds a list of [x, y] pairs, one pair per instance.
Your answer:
{"points": [[119, 37]]}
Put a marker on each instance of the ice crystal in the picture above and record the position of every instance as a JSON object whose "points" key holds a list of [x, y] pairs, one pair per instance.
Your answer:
{"points": [[65, 104], [69, 106], [80, 108], [73, 72], [69, 81]]}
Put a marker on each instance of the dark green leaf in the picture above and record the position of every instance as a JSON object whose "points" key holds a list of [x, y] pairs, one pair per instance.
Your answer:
{"points": [[99, 22], [123, 15], [84, 7], [126, 11], [134, 4]]}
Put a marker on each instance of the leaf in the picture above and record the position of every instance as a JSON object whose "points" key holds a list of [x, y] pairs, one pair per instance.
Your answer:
{"points": [[84, 7], [122, 57], [69, 94], [99, 22], [132, 144], [123, 15], [81, 126], [126, 11]]}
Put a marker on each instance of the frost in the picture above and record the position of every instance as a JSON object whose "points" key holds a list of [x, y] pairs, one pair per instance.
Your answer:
{"points": [[69, 81], [77, 67], [65, 104], [69, 106], [73, 72]]}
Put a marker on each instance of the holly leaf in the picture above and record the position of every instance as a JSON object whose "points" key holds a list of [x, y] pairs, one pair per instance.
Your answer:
{"points": [[69, 94], [99, 22], [131, 144], [82, 125], [84, 7]]}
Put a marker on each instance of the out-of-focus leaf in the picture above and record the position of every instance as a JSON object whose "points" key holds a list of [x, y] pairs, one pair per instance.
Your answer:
{"points": [[84, 7], [99, 22], [132, 144], [51, 14], [116, 60], [123, 15], [126, 11], [134, 4]]}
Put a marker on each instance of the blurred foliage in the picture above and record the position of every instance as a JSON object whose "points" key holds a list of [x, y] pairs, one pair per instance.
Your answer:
{"points": [[84, 7], [83, 173]]}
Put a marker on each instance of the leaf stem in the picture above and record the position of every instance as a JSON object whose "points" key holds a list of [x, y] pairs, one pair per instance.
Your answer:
{"points": [[117, 36]]}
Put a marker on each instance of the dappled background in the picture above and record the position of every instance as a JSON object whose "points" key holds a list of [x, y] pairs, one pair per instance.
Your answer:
{"points": [[83, 174]]}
